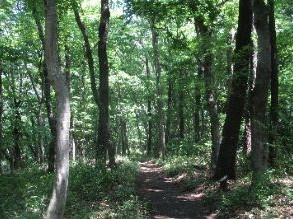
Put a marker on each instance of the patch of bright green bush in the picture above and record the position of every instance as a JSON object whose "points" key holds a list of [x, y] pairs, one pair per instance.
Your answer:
{"points": [[175, 165], [180, 147]]}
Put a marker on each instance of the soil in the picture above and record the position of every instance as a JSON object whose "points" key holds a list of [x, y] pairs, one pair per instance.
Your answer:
{"points": [[167, 197]]}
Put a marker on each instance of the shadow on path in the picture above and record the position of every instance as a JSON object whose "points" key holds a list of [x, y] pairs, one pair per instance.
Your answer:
{"points": [[167, 198]]}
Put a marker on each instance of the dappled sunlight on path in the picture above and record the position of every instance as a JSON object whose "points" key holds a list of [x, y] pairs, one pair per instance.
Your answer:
{"points": [[166, 197]]}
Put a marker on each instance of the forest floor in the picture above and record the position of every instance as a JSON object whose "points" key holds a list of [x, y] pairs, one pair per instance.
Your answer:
{"points": [[168, 197]]}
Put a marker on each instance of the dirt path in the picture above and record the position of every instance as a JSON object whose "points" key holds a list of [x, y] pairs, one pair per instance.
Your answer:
{"points": [[167, 198]]}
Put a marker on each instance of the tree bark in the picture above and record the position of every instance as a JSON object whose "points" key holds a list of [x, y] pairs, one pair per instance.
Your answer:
{"points": [[210, 93], [169, 110], [1, 121], [47, 93], [259, 150], [57, 203], [149, 109], [197, 107], [104, 132], [181, 106], [274, 84], [160, 112], [226, 164], [88, 51]]}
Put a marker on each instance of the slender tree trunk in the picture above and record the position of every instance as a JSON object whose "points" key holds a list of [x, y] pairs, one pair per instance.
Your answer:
{"points": [[210, 93], [17, 158], [124, 139], [181, 106], [197, 107], [104, 132], [41, 126], [149, 109], [259, 150], [226, 164], [1, 121], [88, 51], [169, 110], [47, 94], [57, 203], [68, 82], [248, 109], [274, 84], [161, 119]]}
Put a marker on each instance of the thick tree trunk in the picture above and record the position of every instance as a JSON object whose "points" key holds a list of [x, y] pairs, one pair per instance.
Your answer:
{"points": [[104, 132], [236, 100], [160, 112], [274, 84], [57, 203], [259, 150]]}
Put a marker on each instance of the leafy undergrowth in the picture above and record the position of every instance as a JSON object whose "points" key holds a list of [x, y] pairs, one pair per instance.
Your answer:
{"points": [[93, 193], [272, 197]]}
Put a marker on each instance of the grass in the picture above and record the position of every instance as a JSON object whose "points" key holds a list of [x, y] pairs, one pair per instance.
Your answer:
{"points": [[93, 193]]}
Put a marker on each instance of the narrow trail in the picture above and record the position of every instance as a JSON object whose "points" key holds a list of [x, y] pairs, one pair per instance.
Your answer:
{"points": [[167, 198]]}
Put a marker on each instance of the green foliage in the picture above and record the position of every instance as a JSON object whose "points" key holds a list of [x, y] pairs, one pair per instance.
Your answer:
{"points": [[259, 200], [92, 191], [186, 148], [175, 165], [22, 197]]}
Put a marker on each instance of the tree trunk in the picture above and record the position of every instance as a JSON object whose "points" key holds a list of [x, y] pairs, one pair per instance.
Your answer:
{"points": [[104, 132], [211, 97], [197, 107], [274, 84], [57, 203], [88, 51], [160, 112], [124, 139], [41, 126], [181, 106], [149, 109], [236, 100], [47, 94], [68, 82], [259, 150], [169, 110], [1, 121]]}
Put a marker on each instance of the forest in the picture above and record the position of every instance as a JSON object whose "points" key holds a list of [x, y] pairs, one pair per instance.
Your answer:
{"points": [[146, 109]]}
